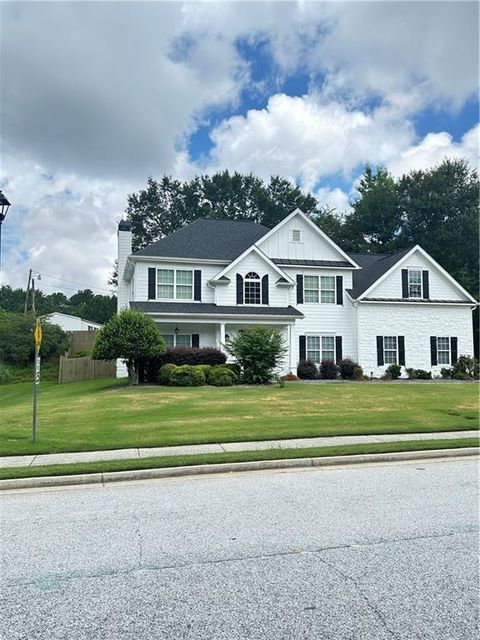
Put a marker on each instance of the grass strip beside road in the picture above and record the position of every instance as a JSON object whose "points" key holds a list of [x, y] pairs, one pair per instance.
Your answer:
{"points": [[237, 456]]}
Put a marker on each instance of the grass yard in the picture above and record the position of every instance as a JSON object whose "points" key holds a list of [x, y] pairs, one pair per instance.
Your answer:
{"points": [[106, 414]]}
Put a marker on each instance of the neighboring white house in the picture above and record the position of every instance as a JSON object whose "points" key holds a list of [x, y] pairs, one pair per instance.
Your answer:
{"points": [[212, 278], [72, 323]]}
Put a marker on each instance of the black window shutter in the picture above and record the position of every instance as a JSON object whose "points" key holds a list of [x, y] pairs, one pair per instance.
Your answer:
{"points": [[152, 272], [195, 340], [265, 289], [433, 350], [454, 349], [339, 289], [404, 283], [197, 284], [303, 347], [299, 288], [338, 348], [401, 350], [426, 287], [380, 361], [239, 289]]}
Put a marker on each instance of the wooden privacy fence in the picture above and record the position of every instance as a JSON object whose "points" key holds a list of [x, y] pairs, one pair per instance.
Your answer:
{"points": [[75, 369], [81, 341]]}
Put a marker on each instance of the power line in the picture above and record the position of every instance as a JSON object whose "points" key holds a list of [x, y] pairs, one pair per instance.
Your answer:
{"points": [[79, 284]]}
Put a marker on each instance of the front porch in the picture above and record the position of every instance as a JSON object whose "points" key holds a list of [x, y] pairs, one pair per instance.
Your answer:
{"points": [[207, 333]]}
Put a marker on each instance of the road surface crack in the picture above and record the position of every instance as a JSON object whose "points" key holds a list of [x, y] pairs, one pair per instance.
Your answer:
{"points": [[361, 592]]}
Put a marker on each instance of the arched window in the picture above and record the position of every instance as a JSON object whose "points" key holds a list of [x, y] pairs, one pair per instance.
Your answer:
{"points": [[252, 288]]}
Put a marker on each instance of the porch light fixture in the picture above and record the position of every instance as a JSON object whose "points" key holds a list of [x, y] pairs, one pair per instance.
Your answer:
{"points": [[4, 207], [176, 331]]}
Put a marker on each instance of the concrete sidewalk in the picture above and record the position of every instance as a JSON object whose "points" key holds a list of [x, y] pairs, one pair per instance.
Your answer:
{"points": [[302, 443]]}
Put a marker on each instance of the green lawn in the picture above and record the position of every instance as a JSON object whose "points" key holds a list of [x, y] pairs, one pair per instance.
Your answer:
{"points": [[237, 456], [105, 414]]}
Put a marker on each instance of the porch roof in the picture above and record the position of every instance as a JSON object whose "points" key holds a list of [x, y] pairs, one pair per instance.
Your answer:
{"points": [[199, 308]]}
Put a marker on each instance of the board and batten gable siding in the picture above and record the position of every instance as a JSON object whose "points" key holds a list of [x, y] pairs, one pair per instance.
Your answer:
{"points": [[312, 247], [141, 277], [325, 319], [227, 294], [417, 323], [439, 287]]}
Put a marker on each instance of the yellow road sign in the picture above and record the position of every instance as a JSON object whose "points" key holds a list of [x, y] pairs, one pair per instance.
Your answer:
{"points": [[38, 335]]}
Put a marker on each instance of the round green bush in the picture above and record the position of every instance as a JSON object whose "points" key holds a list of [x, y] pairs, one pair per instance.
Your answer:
{"points": [[187, 375], [5, 374], [206, 368], [222, 377], [165, 373], [235, 367]]}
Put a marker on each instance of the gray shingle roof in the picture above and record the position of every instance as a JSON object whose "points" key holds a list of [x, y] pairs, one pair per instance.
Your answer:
{"points": [[208, 239], [416, 300], [373, 266], [314, 263], [213, 309]]}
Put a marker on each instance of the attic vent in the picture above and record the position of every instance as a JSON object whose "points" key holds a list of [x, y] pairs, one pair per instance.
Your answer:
{"points": [[295, 235]]}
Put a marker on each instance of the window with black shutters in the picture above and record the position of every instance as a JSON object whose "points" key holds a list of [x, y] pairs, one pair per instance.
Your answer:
{"points": [[252, 288]]}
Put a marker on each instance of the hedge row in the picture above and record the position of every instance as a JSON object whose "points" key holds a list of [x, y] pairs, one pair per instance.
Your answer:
{"points": [[187, 375], [346, 369]]}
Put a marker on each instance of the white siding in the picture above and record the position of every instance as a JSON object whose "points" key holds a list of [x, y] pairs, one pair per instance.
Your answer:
{"points": [[278, 295], [312, 247], [124, 250], [207, 332], [141, 278], [71, 323], [440, 287], [416, 323]]}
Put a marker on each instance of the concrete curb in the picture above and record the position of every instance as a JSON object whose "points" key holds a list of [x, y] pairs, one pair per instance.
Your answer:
{"points": [[231, 467]]}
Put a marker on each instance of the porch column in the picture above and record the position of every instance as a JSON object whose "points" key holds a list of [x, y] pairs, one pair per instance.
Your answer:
{"points": [[222, 334], [289, 347]]}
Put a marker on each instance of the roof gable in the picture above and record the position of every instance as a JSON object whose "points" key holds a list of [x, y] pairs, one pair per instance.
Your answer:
{"points": [[262, 256], [207, 239], [314, 244]]}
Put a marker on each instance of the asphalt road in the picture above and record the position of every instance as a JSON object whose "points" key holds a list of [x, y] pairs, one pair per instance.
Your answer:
{"points": [[361, 552]]}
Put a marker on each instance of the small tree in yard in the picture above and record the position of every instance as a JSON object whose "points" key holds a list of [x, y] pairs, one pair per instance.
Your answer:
{"points": [[259, 351], [132, 336]]}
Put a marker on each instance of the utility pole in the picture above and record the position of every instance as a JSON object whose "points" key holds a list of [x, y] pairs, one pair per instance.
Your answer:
{"points": [[27, 292], [33, 296]]}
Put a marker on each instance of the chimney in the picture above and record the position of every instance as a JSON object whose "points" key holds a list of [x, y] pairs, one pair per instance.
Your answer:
{"points": [[124, 250]]}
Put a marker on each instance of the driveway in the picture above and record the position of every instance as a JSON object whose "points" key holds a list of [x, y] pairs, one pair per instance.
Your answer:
{"points": [[377, 552]]}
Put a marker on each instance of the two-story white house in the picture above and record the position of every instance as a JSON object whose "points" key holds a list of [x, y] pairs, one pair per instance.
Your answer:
{"points": [[213, 278]]}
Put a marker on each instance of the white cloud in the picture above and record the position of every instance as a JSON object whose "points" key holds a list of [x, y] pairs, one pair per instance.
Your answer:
{"points": [[434, 148], [306, 139], [334, 199]]}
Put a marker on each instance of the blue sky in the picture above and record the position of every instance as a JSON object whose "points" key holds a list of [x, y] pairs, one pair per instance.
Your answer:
{"points": [[311, 91]]}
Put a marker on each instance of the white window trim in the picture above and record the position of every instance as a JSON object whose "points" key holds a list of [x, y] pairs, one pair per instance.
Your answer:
{"points": [[320, 350], [291, 238], [449, 350], [390, 350], [305, 289], [420, 284], [175, 336], [330, 289], [174, 284], [256, 280], [319, 288]]}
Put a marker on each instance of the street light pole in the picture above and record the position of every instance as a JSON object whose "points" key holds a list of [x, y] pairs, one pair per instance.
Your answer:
{"points": [[4, 207]]}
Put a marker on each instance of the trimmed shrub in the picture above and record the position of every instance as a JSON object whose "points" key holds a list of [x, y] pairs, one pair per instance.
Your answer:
{"points": [[358, 373], [221, 376], [259, 351], [5, 374], [347, 368], [465, 368], [446, 372], [206, 368], [307, 370], [165, 373], [393, 372], [328, 370], [192, 356], [235, 367], [187, 376], [419, 374], [290, 377]]}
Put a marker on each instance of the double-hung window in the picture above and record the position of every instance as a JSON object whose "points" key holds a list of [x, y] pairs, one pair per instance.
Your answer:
{"points": [[178, 340], [443, 350], [390, 349], [175, 284], [252, 288], [311, 289], [414, 283], [327, 289], [320, 348]]}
